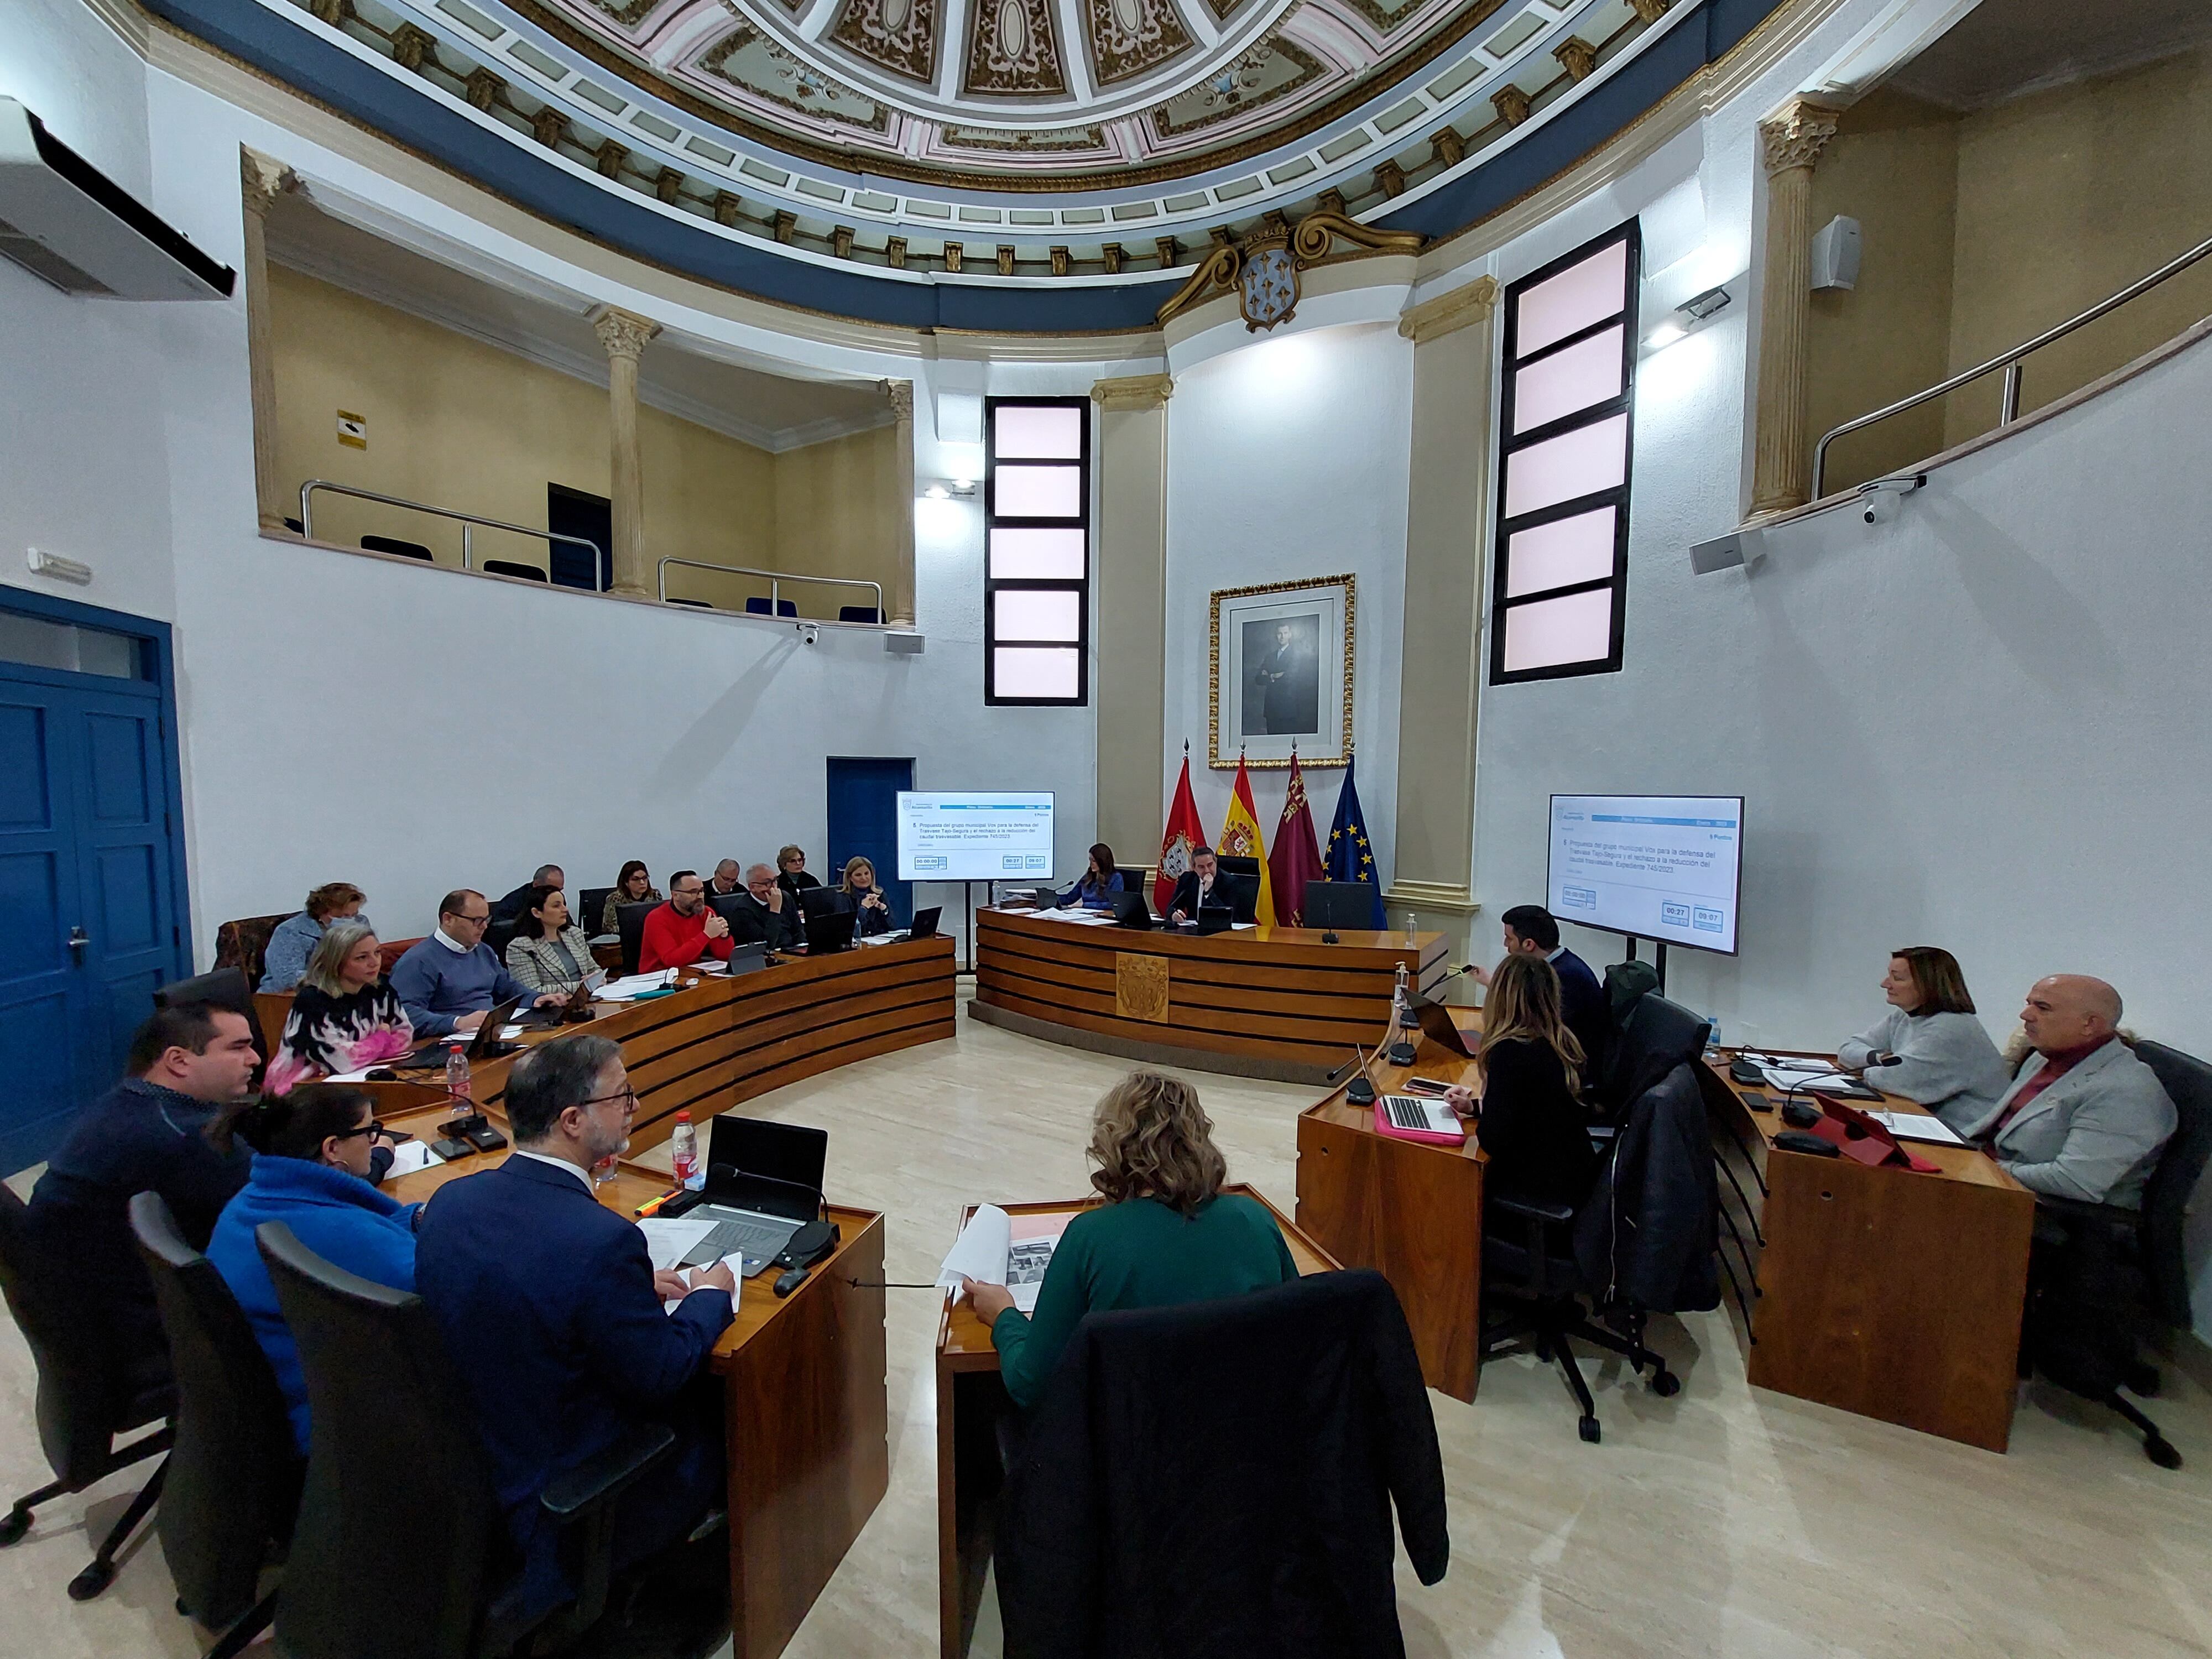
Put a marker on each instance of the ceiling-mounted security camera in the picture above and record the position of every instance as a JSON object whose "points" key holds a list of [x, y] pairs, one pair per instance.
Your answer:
{"points": [[809, 632], [1879, 499]]}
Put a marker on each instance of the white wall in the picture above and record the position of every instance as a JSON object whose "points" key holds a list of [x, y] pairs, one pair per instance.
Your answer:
{"points": [[1287, 458]]}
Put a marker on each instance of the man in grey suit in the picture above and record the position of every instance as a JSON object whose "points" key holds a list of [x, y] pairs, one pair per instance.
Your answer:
{"points": [[2083, 1118]]}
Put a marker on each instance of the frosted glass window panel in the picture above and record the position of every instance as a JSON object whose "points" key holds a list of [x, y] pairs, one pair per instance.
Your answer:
{"points": [[1035, 671], [1582, 375], [1579, 296], [1026, 432], [1038, 492], [1578, 463], [1022, 613], [1553, 633], [1561, 553], [1039, 554]]}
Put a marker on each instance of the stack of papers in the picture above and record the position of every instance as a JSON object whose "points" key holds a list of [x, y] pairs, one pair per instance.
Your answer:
{"points": [[626, 990], [1914, 1126], [1082, 917], [669, 1241], [987, 1252], [1816, 1079]]}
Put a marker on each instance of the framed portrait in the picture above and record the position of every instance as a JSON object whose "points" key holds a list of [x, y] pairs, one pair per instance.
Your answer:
{"points": [[1280, 673]]}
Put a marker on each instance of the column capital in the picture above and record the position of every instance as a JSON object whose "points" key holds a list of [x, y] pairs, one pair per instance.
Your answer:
{"points": [[622, 333], [1795, 135], [263, 179], [1448, 313], [901, 393], [1133, 392]]}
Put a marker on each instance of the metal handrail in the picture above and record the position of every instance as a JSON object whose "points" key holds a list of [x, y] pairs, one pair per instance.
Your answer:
{"points": [[775, 579], [2008, 407], [467, 519]]}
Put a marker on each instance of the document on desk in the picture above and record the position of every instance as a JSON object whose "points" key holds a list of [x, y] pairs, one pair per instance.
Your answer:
{"points": [[669, 1241], [626, 990], [1820, 1079], [1081, 918], [987, 1252], [411, 1157], [1914, 1126]]}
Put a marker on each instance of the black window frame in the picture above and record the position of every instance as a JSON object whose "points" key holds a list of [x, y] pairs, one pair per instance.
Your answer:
{"points": [[993, 586], [1511, 443]]}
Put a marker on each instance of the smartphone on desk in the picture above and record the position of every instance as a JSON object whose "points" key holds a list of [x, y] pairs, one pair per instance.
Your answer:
{"points": [[1427, 1085]]}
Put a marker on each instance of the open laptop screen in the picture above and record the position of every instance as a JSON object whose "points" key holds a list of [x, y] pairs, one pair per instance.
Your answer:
{"points": [[782, 1152]]}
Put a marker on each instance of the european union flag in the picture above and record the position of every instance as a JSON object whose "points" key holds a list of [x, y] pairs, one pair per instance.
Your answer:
{"points": [[1349, 858]]}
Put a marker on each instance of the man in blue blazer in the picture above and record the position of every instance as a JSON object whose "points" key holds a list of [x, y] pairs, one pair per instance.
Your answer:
{"points": [[1532, 930], [552, 1312]]}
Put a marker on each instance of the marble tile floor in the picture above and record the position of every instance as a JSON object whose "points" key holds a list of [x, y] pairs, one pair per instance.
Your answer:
{"points": [[1723, 1521]]}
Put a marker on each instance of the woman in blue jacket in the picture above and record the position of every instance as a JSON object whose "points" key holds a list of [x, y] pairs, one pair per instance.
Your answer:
{"points": [[312, 1174], [1099, 883]]}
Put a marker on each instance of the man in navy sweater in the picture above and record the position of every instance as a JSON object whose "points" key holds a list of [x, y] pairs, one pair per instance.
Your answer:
{"points": [[552, 1312], [448, 982], [1532, 930], [146, 1135]]}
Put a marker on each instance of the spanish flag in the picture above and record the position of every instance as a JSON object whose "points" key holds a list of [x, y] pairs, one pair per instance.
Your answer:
{"points": [[1240, 839]]}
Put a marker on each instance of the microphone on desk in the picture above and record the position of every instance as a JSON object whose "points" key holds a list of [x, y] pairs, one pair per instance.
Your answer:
{"points": [[1362, 1091]]}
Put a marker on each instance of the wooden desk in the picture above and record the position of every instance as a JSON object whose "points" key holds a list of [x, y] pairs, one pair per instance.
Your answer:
{"points": [[971, 1400], [805, 1411], [723, 1040], [1271, 1002], [1894, 1294], [1409, 1209]]}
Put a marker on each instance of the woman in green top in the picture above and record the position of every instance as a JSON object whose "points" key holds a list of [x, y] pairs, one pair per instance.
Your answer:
{"points": [[1166, 1234]]}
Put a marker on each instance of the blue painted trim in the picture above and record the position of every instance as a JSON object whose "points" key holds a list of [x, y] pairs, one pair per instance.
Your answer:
{"points": [[163, 679], [300, 58], [1588, 123]]}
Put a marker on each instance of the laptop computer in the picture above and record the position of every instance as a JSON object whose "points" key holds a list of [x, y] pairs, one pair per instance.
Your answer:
{"points": [[1438, 1026], [924, 922], [484, 1045], [1130, 910], [826, 935], [763, 1183], [749, 957]]}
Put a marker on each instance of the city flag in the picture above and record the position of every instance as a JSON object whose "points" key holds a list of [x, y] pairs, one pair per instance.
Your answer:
{"points": [[1240, 839], [1349, 858], [1296, 858], [1184, 831]]}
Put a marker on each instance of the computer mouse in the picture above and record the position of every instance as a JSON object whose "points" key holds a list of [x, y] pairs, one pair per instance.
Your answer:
{"points": [[382, 1074], [786, 1282], [1799, 1115], [1794, 1141]]}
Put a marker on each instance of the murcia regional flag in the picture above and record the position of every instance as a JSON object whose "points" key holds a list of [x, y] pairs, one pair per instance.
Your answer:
{"points": [[1240, 839]]}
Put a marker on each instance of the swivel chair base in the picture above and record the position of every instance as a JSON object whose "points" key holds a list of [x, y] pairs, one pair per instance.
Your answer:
{"points": [[101, 1573], [1554, 1326]]}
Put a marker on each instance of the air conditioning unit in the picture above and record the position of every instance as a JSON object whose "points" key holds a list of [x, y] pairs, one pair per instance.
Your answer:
{"points": [[68, 223]]}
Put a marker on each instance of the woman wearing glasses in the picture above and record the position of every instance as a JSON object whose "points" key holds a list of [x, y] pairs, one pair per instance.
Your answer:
{"points": [[317, 1149], [343, 1015]]}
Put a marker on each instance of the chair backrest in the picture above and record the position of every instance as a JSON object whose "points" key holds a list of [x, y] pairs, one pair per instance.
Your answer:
{"points": [[78, 1404], [244, 944], [529, 573], [499, 932], [233, 1483], [389, 950], [758, 606], [1664, 1260], [1624, 982], [630, 922], [399, 1535], [406, 549], [2188, 1083], [858, 613], [695, 605], [594, 902], [1659, 1035], [1236, 867]]}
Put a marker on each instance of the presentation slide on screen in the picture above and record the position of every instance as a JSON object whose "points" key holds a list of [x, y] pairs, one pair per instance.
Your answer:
{"points": [[973, 836], [1658, 866]]}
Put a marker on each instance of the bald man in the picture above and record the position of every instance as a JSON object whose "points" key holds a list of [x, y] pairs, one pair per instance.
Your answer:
{"points": [[2083, 1118]]}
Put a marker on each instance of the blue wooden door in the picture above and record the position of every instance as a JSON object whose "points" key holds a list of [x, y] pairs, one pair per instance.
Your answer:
{"points": [[863, 818], [90, 915]]}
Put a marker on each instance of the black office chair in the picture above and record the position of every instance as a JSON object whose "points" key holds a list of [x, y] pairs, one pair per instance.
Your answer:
{"points": [[233, 1475], [1657, 1036], [529, 573], [695, 605], [1238, 866], [858, 613], [86, 1398], [500, 931], [400, 1547], [392, 544], [821, 902], [630, 922], [1535, 1259], [594, 902], [757, 606], [2105, 1282]]}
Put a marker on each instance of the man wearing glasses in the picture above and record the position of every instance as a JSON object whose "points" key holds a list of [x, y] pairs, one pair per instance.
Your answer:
{"points": [[448, 982], [680, 932], [549, 1306]]}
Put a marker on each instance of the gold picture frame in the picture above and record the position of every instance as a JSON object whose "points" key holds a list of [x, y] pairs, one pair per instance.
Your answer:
{"points": [[1277, 703]]}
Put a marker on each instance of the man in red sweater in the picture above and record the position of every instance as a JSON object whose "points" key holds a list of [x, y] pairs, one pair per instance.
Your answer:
{"points": [[683, 930]]}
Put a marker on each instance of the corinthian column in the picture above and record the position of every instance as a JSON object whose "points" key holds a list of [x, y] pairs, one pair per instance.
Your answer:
{"points": [[263, 180], [624, 337], [1782, 465], [901, 614]]}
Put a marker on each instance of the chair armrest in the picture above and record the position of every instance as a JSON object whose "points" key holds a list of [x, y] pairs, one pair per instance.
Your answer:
{"points": [[607, 1474], [1529, 1209]]}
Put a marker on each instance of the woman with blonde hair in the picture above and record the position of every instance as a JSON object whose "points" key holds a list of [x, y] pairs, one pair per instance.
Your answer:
{"points": [[1167, 1234], [1529, 1120], [872, 912], [343, 1017]]}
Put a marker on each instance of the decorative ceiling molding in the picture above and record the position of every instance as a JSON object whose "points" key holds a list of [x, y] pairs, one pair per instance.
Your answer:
{"points": [[1012, 49], [1128, 36], [899, 35]]}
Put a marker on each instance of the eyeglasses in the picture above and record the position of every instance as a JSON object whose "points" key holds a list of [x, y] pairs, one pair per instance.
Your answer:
{"points": [[373, 1126], [627, 1096], [475, 922]]}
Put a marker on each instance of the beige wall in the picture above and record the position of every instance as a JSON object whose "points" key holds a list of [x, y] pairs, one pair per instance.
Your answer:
{"points": [[1983, 229], [463, 424]]}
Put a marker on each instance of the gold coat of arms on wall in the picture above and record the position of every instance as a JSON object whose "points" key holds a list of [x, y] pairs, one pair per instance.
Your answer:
{"points": [[1263, 266]]}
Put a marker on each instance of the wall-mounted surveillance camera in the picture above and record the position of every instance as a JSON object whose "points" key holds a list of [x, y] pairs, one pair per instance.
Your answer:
{"points": [[1879, 499], [809, 632]]}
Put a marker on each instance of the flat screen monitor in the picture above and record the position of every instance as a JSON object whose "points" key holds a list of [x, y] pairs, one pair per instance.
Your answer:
{"points": [[1662, 867], [974, 836]]}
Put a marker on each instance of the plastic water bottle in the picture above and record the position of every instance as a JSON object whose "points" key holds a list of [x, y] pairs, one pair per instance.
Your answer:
{"points": [[683, 1146], [457, 1081]]}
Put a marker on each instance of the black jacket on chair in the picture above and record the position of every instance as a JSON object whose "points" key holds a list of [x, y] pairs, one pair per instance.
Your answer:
{"points": [[1217, 1478], [1650, 1233]]}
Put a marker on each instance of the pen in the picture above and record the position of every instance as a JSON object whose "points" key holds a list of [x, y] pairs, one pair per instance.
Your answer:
{"points": [[652, 1206]]}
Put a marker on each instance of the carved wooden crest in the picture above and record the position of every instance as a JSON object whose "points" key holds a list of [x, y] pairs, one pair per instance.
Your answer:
{"points": [[1141, 985], [1264, 266]]}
